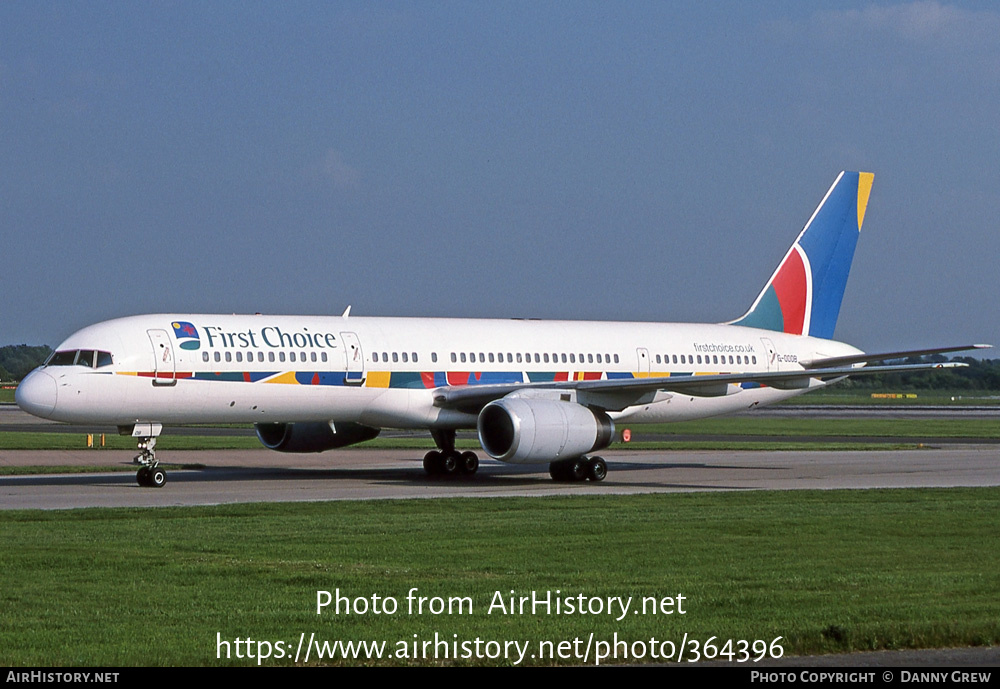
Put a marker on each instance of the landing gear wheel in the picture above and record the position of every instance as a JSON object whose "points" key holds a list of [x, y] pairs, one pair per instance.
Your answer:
{"points": [[157, 477], [432, 463], [597, 469], [142, 477], [469, 463], [579, 469], [567, 470], [450, 463]]}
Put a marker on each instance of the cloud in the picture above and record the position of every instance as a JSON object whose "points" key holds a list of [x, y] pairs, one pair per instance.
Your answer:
{"points": [[927, 23], [335, 170], [924, 24]]}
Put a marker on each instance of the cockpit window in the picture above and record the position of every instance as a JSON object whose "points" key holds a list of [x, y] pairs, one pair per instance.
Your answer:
{"points": [[62, 359], [80, 357]]}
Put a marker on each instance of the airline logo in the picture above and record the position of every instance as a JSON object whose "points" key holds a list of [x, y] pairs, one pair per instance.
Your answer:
{"points": [[187, 335]]}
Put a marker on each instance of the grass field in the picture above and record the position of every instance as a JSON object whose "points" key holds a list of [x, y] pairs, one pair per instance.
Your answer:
{"points": [[817, 426], [809, 427], [827, 571]]}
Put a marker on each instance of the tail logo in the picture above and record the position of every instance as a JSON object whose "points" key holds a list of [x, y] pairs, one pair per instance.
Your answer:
{"points": [[804, 294]]}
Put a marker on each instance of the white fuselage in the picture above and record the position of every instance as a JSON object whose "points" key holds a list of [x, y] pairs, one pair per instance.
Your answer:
{"points": [[382, 372]]}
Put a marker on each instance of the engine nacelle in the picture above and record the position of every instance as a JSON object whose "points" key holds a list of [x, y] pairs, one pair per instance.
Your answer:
{"points": [[313, 436], [525, 431]]}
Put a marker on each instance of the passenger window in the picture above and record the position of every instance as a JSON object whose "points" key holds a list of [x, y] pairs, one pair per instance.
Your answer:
{"points": [[657, 358], [239, 357], [463, 357], [454, 359], [413, 357], [491, 357], [482, 358], [519, 357], [545, 357], [564, 358], [270, 357], [229, 356], [395, 357], [281, 357], [616, 358], [590, 358], [312, 356], [322, 356], [218, 357], [405, 358]]}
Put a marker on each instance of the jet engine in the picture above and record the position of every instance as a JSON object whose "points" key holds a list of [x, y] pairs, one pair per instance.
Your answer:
{"points": [[313, 436], [525, 431]]}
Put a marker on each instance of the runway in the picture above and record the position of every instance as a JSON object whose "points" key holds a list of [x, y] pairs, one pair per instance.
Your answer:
{"points": [[244, 476]]}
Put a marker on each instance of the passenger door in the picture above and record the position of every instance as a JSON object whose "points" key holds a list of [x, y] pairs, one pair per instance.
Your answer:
{"points": [[164, 365], [354, 371]]}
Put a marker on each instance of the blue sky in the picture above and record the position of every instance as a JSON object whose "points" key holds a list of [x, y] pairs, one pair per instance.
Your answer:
{"points": [[635, 161]]}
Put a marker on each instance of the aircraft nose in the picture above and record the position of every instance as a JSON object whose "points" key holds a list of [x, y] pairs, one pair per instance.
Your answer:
{"points": [[37, 394]]}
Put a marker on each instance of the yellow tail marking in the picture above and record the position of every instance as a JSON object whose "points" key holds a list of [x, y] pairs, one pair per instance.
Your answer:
{"points": [[865, 180]]}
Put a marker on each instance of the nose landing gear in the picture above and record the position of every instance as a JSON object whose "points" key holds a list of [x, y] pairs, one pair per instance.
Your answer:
{"points": [[150, 474]]}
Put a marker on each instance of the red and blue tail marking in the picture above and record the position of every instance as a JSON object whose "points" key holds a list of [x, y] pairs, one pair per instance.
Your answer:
{"points": [[804, 294]]}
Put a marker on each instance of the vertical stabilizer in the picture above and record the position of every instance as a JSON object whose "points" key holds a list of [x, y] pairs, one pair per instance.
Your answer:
{"points": [[804, 294]]}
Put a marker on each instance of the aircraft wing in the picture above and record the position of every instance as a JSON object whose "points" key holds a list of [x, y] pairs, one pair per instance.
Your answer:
{"points": [[883, 356], [616, 394]]}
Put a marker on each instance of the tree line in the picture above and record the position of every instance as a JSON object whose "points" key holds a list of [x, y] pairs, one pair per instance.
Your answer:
{"points": [[977, 375], [16, 361]]}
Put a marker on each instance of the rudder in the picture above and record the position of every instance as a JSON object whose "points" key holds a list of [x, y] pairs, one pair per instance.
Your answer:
{"points": [[804, 294]]}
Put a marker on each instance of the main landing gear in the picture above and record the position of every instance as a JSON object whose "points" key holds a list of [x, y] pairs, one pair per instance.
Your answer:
{"points": [[579, 469], [446, 460], [150, 475]]}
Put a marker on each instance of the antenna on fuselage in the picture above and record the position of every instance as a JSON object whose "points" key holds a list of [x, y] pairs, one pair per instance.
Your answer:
{"points": [[347, 312]]}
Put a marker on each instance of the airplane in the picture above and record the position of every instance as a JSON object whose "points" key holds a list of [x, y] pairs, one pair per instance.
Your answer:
{"points": [[537, 392]]}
